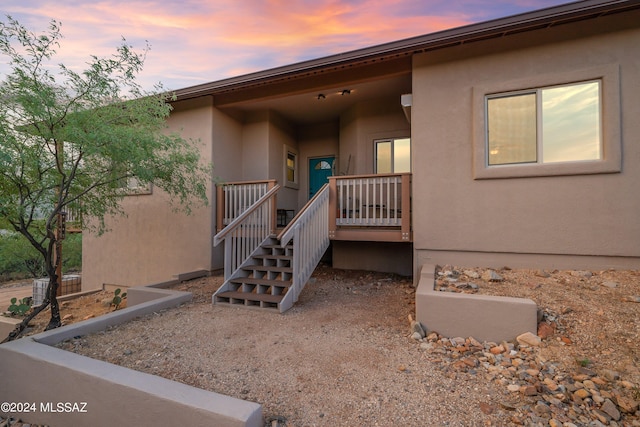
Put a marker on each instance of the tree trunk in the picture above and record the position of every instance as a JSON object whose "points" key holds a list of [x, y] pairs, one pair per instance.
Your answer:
{"points": [[25, 322], [52, 291]]}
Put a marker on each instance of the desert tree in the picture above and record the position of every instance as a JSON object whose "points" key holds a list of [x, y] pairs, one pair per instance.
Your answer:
{"points": [[74, 139]]}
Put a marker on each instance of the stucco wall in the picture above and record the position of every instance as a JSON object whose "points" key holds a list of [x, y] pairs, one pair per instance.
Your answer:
{"points": [[153, 243], [588, 220], [364, 123]]}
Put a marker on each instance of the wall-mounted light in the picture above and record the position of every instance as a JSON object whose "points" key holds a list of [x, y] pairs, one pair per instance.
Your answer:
{"points": [[346, 92], [321, 96]]}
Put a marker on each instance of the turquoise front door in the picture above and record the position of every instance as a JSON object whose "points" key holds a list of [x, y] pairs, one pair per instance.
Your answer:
{"points": [[320, 169]]}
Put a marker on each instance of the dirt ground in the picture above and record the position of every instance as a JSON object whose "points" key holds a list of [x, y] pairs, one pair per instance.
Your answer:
{"points": [[344, 356]]}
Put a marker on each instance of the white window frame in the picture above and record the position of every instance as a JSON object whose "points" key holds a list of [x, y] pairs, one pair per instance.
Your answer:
{"points": [[611, 150], [392, 140]]}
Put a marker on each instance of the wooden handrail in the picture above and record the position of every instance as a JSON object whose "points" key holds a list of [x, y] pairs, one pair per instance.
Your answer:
{"points": [[237, 221]]}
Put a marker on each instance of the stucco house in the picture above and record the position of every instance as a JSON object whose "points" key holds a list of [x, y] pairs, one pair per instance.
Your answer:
{"points": [[510, 142]]}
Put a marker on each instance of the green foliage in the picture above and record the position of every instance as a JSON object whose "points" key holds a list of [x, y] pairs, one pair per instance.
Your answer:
{"points": [[118, 297], [19, 259], [69, 139], [20, 307], [584, 362]]}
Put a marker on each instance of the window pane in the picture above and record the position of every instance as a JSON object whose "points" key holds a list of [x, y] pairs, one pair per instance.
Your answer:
{"points": [[383, 157], [512, 129], [571, 123], [402, 155], [291, 167]]}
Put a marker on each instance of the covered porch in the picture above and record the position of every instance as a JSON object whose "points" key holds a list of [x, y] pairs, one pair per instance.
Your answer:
{"points": [[374, 208]]}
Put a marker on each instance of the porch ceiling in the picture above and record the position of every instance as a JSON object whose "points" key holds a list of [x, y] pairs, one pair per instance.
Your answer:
{"points": [[308, 106]]}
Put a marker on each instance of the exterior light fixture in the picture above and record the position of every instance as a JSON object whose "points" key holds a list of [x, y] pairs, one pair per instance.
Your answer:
{"points": [[346, 92], [321, 96]]}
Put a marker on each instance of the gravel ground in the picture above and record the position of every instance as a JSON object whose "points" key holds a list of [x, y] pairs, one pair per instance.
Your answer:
{"points": [[344, 355]]}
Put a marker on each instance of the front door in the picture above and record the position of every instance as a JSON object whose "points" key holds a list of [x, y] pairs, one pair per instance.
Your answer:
{"points": [[320, 169]]}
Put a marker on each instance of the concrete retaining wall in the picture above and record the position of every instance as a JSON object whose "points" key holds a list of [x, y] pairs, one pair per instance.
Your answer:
{"points": [[68, 389], [486, 318]]}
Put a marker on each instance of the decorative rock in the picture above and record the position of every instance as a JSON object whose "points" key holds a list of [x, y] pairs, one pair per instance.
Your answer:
{"points": [[471, 274], [543, 274], [487, 408], [610, 375], [582, 393], [628, 405], [513, 388], [497, 349], [545, 330], [610, 284], [582, 274], [416, 336], [632, 299], [610, 408], [529, 339], [492, 276]]}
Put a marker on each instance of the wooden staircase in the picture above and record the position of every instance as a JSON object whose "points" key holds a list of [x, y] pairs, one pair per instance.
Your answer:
{"points": [[263, 279]]}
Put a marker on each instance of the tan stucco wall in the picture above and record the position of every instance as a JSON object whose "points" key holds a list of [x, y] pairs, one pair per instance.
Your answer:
{"points": [[153, 243], [364, 123], [559, 220]]}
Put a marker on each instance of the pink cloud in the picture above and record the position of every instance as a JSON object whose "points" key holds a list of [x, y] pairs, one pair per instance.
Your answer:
{"points": [[195, 41]]}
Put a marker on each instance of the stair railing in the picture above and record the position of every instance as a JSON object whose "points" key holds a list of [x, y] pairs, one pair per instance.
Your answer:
{"points": [[247, 232], [309, 230]]}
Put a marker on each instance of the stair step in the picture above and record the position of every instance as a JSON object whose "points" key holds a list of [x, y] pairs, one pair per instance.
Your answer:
{"points": [[268, 268], [276, 246], [266, 282], [269, 256], [248, 298]]}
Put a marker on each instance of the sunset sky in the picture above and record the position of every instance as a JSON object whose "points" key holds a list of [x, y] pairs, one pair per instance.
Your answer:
{"points": [[199, 41]]}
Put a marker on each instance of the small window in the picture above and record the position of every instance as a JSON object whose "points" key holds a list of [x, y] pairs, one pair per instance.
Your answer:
{"points": [[132, 187], [546, 125], [393, 155], [290, 167]]}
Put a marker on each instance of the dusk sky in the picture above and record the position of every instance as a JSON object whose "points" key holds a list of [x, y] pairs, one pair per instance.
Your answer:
{"points": [[199, 41]]}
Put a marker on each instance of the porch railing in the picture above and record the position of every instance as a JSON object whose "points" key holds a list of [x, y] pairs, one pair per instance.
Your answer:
{"points": [[248, 231], [379, 203], [233, 198], [310, 233]]}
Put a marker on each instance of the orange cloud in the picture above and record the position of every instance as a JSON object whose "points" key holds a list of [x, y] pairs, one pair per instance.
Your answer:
{"points": [[194, 41]]}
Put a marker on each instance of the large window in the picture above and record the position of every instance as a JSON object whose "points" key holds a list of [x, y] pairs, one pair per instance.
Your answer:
{"points": [[393, 155], [547, 125]]}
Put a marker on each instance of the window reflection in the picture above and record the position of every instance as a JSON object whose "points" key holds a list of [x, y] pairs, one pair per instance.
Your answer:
{"points": [[562, 123]]}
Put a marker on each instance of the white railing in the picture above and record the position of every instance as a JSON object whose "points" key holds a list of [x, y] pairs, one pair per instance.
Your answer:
{"points": [[369, 201], [235, 197], [309, 231], [247, 232]]}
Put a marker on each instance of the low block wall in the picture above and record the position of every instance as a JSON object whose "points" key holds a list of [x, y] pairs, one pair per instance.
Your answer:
{"points": [[486, 318], [67, 389]]}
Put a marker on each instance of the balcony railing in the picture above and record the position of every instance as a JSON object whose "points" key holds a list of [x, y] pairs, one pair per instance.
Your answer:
{"points": [[370, 207], [233, 198]]}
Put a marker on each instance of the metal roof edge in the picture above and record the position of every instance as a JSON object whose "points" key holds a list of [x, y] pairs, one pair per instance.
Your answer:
{"points": [[515, 23]]}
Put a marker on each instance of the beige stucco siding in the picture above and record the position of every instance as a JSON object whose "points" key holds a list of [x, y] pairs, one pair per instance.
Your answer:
{"points": [[153, 243], [364, 123], [457, 214]]}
